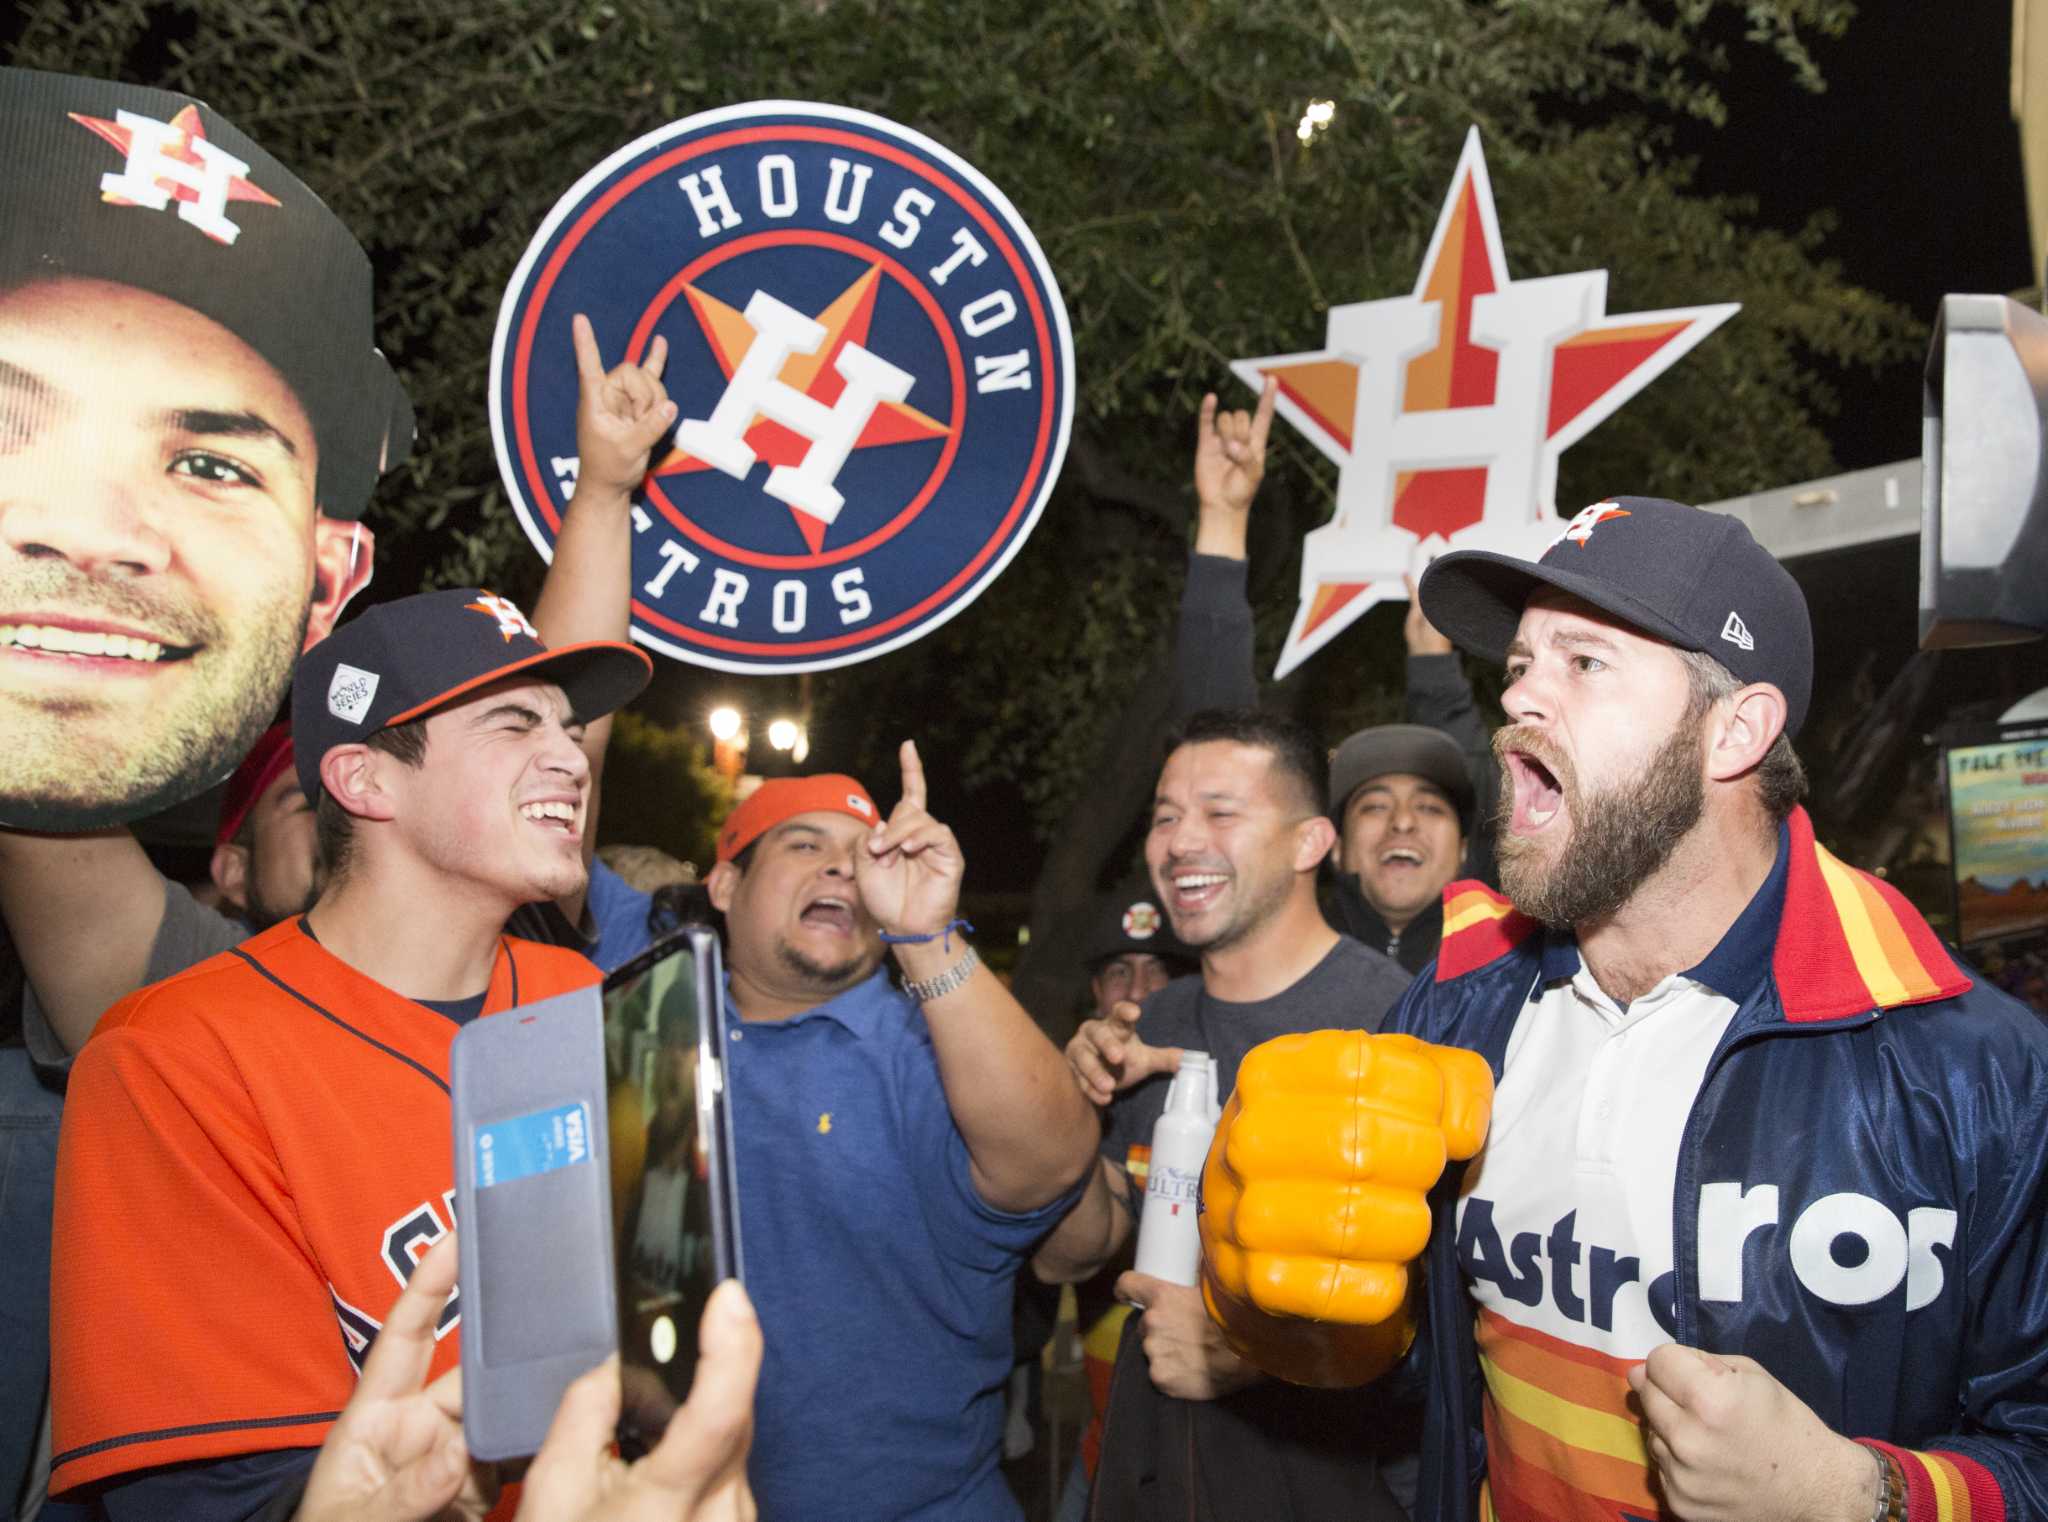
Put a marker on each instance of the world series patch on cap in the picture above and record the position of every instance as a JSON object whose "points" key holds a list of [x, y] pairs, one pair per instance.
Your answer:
{"points": [[870, 360]]}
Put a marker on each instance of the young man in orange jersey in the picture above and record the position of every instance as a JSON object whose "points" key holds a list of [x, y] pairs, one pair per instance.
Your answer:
{"points": [[255, 1152]]}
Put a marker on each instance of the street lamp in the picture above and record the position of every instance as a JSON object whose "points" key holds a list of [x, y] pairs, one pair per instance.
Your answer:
{"points": [[729, 747]]}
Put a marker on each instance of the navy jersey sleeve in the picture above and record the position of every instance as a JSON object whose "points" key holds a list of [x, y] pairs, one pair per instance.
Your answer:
{"points": [[1212, 653]]}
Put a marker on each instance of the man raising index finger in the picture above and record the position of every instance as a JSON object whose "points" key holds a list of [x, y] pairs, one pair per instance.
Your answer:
{"points": [[903, 1148]]}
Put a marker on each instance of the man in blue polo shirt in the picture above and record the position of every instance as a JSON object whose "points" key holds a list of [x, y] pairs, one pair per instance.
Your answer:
{"points": [[900, 1151]]}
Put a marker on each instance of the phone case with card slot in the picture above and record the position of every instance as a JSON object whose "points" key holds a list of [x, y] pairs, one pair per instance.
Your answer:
{"points": [[533, 1209]]}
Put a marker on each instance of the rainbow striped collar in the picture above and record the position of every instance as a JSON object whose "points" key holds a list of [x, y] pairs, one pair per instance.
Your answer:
{"points": [[1848, 943]]}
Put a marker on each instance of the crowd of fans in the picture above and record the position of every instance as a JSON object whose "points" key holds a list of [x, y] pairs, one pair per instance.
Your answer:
{"points": [[227, 1269]]}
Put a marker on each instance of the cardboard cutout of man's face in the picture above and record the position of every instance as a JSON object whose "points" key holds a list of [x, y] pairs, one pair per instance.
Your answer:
{"points": [[190, 411]]}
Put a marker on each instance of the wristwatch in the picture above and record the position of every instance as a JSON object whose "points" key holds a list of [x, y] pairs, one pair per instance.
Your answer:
{"points": [[940, 984]]}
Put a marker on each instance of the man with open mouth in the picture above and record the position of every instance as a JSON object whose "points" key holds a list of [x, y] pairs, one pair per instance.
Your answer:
{"points": [[192, 416], [1758, 1232], [1403, 803], [899, 1148], [1239, 829]]}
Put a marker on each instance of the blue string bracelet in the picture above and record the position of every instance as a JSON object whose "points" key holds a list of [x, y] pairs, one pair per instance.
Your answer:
{"points": [[918, 940]]}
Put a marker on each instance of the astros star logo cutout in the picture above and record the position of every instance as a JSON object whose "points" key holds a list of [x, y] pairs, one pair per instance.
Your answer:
{"points": [[1445, 410]]}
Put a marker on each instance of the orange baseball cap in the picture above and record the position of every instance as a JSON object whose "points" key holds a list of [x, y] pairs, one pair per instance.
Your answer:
{"points": [[785, 798]]}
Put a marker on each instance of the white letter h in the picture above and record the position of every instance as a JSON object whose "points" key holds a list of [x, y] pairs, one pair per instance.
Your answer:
{"points": [[755, 387]]}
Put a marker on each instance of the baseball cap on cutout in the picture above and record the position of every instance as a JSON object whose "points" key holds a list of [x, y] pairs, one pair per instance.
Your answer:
{"points": [[402, 660], [261, 767], [1413, 748], [1693, 578], [151, 189], [785, 798], [1131, 921]]}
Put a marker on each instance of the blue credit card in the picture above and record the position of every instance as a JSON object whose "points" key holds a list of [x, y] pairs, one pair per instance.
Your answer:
{"points": [[558, 1137]]}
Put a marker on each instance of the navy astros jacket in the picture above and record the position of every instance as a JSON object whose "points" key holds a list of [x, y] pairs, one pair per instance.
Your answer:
{"points": [[1866, 1075]]}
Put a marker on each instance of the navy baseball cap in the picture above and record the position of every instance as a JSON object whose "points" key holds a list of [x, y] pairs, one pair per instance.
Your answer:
{"points": [[1415, 749], [1130, 920], [402, 660], [1692, 578], [155, 190]]}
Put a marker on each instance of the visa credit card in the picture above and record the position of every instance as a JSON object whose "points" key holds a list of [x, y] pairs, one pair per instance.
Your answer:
{"points": [[528, 1144]]}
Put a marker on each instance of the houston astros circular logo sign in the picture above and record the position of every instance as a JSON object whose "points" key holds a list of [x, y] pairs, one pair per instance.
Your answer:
{"points": [[870, 362]]}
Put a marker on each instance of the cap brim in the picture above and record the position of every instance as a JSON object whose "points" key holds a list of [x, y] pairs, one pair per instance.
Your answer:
{"points": [[1476, 597], [596, 677], [1414, 749]]}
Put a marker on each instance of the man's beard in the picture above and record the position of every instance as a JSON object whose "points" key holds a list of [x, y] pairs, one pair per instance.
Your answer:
{"points": [[60, 775], [1621, 836], [261, 913], [828, 977]]}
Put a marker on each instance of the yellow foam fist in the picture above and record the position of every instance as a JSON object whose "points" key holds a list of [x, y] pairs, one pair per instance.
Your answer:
{"points": [[1313, 1197]]}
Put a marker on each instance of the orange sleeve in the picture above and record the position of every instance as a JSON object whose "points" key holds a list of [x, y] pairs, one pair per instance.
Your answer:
{"points": [[188, 1320]]}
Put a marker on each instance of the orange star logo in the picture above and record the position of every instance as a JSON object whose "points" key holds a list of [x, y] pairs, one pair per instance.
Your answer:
{"points": [[1589, 518], [846, 319], [186, 129], [510, 620], [1445, 411]]}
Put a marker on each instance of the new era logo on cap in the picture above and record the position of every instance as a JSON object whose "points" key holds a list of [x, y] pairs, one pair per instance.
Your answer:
{"points": [[860, 805], [1736, 632], [351, 692]]}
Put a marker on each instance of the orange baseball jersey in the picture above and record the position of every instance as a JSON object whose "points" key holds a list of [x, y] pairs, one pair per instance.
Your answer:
{"points": [[255, 1154]]}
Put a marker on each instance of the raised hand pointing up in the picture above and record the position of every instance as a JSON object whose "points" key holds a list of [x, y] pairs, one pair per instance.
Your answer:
{"points": [[909, 869], [621, 413]]}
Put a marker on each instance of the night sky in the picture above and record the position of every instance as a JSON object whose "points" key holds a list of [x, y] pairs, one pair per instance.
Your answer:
{"points": [[1913, 148]]}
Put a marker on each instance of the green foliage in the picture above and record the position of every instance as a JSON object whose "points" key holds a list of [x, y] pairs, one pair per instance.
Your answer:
{"points": [[660, 789], [1151, 147]]}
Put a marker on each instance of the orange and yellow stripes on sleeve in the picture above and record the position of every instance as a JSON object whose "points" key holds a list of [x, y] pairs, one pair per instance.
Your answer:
{"points": [[1945, 1487]]}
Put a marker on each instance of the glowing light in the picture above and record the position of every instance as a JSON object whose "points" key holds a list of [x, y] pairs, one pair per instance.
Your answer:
{"points": [[801, 752], [661, 1339], [783, 734], [725, 723], [1315, 119]]}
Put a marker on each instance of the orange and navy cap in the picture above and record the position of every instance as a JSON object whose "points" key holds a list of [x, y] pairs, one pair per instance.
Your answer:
{"points": [[785, 798], [402, 660], [261, 767]]}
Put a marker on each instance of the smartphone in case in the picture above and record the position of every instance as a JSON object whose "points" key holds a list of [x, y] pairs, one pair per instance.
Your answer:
{"points": [[674, 1193], [533, 1208], [595, 1193]]}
